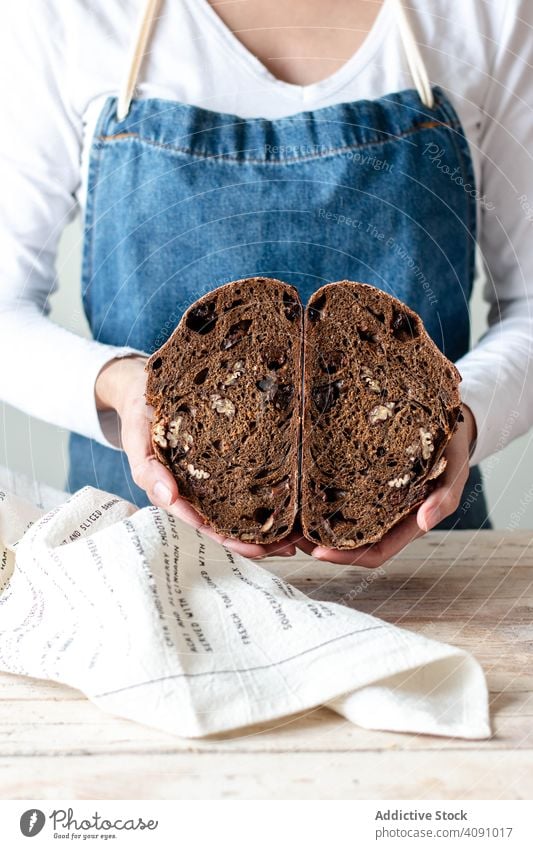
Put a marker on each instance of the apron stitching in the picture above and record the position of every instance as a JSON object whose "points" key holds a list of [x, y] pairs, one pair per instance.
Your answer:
{"points": [[166, 105], [119, 136], [305, 158]]}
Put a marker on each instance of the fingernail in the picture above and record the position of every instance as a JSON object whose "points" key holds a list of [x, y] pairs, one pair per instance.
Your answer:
{"points": [[231, 547], [430, 520], [162, 493]]}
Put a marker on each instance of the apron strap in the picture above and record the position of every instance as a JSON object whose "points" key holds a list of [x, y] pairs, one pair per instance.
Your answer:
{"points": [[137, 54], [147, 20], [414, 57]]}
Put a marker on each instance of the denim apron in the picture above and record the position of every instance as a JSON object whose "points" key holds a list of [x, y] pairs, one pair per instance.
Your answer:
{"points": [[183, 199]]}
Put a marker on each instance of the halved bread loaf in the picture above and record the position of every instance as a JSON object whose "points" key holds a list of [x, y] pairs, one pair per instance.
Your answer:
{"points": [[357, 406], [225, 389], [380, 404]]}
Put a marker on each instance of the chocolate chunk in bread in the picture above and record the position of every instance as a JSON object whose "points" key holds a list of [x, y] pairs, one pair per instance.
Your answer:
{"points": [[380, 405], [226, 393]]}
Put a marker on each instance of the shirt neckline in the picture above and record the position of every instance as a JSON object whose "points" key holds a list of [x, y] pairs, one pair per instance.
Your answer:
{"points": [[326, 85]]}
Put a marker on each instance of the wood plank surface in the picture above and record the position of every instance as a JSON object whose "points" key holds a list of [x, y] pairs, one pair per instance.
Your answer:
{"points": [[293, 775], [474, 590]]}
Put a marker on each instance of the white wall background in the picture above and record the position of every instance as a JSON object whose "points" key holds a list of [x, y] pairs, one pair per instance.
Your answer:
{"points": [[40, 450]]}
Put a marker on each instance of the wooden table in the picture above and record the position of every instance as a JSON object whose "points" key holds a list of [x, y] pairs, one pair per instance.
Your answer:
{"points": [[470, 589]]}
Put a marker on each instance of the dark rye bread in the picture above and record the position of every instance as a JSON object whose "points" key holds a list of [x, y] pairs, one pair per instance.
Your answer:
{"points": [[225, 389], [380, 405]]}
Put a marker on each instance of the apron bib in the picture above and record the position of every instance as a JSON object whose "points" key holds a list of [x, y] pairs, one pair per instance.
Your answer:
{"points": [[182, 199]]}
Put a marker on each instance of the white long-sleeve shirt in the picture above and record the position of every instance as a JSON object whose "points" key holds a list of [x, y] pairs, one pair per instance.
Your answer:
{"points": [[60, 59]]}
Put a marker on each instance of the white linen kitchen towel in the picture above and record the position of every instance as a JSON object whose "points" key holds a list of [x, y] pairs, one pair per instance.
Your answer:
{"points": [[157, 623]]}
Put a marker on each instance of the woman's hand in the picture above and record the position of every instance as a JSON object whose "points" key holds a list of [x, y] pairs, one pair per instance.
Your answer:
{"points": [[120, 386], [443, 501]]}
